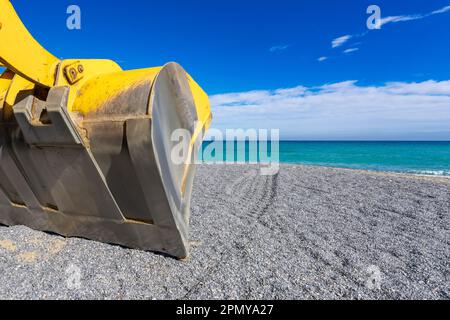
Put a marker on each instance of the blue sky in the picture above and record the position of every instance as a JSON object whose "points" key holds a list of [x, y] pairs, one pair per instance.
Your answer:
{"points": [[390, 83]]}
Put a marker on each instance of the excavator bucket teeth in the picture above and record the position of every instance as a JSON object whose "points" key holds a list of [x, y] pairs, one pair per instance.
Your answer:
{"points": [[90, 153]]}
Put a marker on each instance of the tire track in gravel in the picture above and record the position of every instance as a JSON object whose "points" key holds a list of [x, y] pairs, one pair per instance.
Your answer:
{"points": [[249, 187], [256, 210]]}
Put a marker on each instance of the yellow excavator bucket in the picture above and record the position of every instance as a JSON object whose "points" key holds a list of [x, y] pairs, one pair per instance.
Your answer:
{"points": [[85, 147]]}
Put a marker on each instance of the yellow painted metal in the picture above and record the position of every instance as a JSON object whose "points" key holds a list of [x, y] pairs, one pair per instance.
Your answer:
{"points": [[203, 107], [5, 82], [97, 91], [96, 143], [107, 108], [92, 82], [21, 53], [18, 85], [92, 69]]}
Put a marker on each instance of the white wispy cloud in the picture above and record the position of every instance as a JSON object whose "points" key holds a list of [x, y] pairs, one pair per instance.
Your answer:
{"points": [[340, 41], [343, 110], [320, 59], [350, 50], [393, 19], [279, 48], [442, 10], [411, 17]]}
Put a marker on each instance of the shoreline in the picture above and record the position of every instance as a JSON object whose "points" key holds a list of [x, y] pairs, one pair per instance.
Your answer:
{"points": [[379, 172], [443, 178]]}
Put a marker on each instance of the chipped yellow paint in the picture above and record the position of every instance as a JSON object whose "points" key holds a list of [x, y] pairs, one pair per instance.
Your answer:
{"points": [[28, 257], [98, 90], [90, 68], [8, 245]]}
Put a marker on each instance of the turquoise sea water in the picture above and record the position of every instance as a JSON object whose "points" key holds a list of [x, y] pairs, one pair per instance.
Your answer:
{"points": [[430, 158]]}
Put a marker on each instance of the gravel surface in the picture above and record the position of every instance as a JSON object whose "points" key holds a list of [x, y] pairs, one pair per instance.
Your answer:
{"points": [[306, 233]]}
